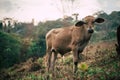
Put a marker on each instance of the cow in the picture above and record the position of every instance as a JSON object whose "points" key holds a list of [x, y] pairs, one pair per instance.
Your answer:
{"points": [[118, 41], [66, 39]]}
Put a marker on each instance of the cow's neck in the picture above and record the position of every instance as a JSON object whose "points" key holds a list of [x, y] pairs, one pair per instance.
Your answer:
{"points": [[80, 36], [81, 33], [87, 36]]}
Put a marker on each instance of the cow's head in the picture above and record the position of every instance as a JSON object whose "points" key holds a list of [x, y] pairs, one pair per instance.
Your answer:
{"points": [[88, 23]]}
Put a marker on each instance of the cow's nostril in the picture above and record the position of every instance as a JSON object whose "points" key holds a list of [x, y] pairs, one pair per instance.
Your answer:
{"points": [[90, 31]]}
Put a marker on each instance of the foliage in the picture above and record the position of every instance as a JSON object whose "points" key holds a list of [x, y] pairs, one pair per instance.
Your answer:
{"points": [[83, 66], [32, 48], [20, 28], [40, 60], [9, 49], [99, 73], [36, 49]]}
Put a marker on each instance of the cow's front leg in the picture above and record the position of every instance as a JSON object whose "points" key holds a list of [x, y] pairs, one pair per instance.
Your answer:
{"points": [[75, 60]]}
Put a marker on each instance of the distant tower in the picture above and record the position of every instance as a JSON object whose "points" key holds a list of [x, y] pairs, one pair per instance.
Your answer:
{"points": [[33, 21]]}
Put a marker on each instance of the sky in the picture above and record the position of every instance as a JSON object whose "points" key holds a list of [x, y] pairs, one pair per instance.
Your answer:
{"points": [[42, 10]]}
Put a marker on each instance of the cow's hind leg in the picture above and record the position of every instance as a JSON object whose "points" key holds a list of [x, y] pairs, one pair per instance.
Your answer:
{"points": [[54, 57], [48, 60]]}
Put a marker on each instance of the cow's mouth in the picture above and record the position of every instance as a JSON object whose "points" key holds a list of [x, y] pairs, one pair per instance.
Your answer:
{"points": [[90, 31]]}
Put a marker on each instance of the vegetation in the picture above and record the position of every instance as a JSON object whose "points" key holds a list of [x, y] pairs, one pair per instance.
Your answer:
{"points": [[96, 67], [9, 49], [22, 51]]}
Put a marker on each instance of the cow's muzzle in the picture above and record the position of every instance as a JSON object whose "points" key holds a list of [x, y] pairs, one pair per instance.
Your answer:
{"points": [[90, 31]]}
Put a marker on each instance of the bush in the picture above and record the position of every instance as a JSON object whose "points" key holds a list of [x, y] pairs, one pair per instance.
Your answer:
{"points": [[9, 49], [36, 48]]}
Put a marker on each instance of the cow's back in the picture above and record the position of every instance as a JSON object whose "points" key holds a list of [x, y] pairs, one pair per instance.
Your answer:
{"points": [[50, 37], [59, 39]]}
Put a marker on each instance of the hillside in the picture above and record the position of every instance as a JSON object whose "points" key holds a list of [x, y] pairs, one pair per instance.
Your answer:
{"points": [[22, 52], [101, 59]]}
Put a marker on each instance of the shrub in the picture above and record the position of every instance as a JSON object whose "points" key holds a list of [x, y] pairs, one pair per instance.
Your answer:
{"points": [[36, 48], [9, 49]]}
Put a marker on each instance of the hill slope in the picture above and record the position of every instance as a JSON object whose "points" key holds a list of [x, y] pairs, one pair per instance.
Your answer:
{"points": [[101, 59]]}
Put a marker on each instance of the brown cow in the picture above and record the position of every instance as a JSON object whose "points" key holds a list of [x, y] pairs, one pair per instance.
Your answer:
{"points": [[73, 38]]}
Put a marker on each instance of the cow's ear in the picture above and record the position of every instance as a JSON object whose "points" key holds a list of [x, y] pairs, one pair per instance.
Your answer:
{"points": [[99, 20], [80, 23]]}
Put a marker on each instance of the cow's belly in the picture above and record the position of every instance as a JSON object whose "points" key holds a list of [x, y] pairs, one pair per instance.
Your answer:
{"points": [[63, 50], [61, 47]]}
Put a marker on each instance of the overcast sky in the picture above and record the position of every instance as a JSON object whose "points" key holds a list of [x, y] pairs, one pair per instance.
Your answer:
{"points": [[25, 10]]}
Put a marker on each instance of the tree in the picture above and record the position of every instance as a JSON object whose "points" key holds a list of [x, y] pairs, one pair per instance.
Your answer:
{"points": [[10, 47]]}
